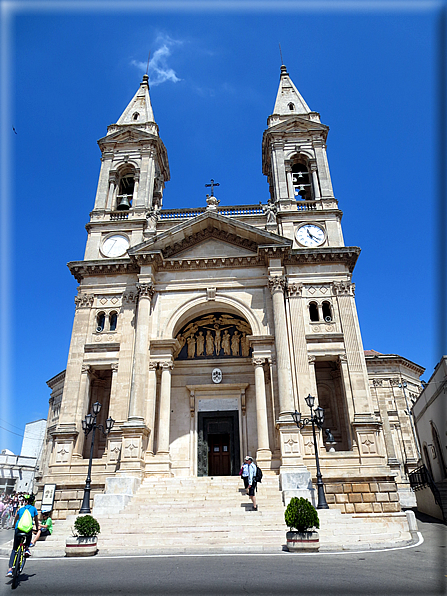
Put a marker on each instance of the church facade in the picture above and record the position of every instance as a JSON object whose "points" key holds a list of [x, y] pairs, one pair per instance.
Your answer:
{"points": [[201, 330]]}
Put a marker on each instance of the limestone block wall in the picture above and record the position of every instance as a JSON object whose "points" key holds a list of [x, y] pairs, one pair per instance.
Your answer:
{"points": [[368, 495]]}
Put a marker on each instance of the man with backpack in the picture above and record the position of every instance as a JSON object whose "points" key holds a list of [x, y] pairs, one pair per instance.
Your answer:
{"points": [[24, 524], [252, 482]]}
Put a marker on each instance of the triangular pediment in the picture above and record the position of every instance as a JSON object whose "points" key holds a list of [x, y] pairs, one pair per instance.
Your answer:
{"points": [[211, 247], [127, 134], [210, 236], [294, 124]]}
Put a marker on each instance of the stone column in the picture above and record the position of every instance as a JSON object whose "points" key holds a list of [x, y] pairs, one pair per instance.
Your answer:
{"points": [[141, 353], [151, 401], [103, 182], [289, 181], [263, 454], [83, 402], [277, 284], [165, 408], [315, 183]]}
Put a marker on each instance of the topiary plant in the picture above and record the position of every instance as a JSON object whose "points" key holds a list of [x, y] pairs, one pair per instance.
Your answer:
{"points": [[301, 514], [86, 525]]}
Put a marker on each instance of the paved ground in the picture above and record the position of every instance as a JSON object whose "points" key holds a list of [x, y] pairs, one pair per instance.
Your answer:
{"points": [[419, 570]]}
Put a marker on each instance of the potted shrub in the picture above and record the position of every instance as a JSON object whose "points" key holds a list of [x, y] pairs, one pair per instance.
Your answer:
{"points": [[302, 515], [84, 542]]}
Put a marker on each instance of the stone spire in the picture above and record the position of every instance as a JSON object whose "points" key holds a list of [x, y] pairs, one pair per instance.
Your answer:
{"points": [[139, 111], [288, 100]]}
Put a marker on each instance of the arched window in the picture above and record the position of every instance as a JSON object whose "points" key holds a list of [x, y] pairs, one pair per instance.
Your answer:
{"points": [[327, 312], [100, 322], [291, 106], [313, 312], [113, 320], [135, 116], [125, 190], [302, 186]]}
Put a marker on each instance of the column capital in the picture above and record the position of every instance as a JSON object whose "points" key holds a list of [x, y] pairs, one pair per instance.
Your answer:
{"points": [[166, 365], [85, 369], [295, 290], [153, 365], [344, 288], [84, 300], [145, 290], [114, 367], [277, 283], [258, 362]]}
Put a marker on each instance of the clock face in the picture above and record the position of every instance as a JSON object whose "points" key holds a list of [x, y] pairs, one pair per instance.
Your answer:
{"points": [[216, 375], [310, 235], [115, 246]]}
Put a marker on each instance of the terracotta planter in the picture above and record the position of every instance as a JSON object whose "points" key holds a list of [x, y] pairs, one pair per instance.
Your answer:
{"points": [[81, 546], [302, 541]]}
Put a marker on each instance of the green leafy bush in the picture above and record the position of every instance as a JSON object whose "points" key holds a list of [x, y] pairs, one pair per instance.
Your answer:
{"points": [[86, 525], [301, 514]]}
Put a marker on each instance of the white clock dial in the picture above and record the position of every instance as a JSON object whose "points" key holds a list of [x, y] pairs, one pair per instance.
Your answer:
{"points": [[310, 235], [216, 375], [115, 246]]}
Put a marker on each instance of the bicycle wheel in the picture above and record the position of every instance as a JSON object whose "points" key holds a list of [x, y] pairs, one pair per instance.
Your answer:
{"points": [[17, 565]]}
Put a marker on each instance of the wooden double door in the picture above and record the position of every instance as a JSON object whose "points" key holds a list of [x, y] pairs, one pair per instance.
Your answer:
{"points": [[218, 444]]}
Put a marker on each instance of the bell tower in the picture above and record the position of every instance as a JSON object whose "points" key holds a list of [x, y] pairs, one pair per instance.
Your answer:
{"points": [[295, 162], [133, 174]]}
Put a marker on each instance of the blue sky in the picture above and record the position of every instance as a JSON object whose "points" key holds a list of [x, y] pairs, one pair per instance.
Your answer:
{"points": [[69, 70]]}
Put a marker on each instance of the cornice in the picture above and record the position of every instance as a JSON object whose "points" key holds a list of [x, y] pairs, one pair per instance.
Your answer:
{"points": [[325, 255], [81, 269], [385, 359]]}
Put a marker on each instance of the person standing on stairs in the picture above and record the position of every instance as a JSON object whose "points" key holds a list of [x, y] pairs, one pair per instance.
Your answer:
{"points": [[244, 473], [252, 482]]}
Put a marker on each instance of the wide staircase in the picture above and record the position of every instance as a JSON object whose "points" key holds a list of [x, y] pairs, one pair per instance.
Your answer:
{"points": [[205, 515]]}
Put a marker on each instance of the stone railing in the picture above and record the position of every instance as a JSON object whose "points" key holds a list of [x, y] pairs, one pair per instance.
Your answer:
{"points": [[233, 210], [117, 215]]}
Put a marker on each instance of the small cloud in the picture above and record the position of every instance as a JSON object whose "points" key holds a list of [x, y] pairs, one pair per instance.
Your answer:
{"points": [[159, 71]]}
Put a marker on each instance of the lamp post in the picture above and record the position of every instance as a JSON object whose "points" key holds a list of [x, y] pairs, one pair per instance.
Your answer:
{"points": [[318, 419], [89, 424]]}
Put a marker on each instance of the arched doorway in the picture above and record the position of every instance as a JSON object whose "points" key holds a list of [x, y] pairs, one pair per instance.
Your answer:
{"points": [[212, 369]]}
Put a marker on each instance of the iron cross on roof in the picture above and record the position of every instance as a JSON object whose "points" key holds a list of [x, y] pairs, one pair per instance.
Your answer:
{"points": [[212, 185]]}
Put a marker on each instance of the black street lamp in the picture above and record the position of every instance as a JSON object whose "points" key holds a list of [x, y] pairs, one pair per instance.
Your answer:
{"points": [[315, 418], [88, 424]]}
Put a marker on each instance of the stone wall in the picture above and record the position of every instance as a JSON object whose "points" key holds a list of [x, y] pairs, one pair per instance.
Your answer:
{"points": [[371, 495]]}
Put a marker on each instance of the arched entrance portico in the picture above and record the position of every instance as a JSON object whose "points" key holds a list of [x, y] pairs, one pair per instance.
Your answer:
{"points": [[218, 409]]}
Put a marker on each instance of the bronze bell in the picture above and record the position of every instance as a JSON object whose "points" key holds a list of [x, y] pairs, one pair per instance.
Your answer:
{"points": [[124, 204]]}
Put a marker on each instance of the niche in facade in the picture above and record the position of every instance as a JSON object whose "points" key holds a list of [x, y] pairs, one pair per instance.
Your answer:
{"points": [[218, 335]]}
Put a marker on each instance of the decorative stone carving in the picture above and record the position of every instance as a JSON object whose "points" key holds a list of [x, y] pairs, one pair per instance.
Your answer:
{"points": [[130, 297], [277, 283], [394, 382], [343, 358], [211, 294], [291, 445], [295, 290], [309, 446], [153, 365], [114, 450], [145, 290], [368, 443], [311, 359], [270, 210], [114, 367], [166, 365], [151, 219], [85, 368], [214, 336], [344, 288], [378, 382], [131, 448], [84, 300], [258, 361], [63, 453]]}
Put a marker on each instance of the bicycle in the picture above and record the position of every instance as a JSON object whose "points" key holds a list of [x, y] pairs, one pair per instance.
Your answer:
{"points": [[19, 560]]}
